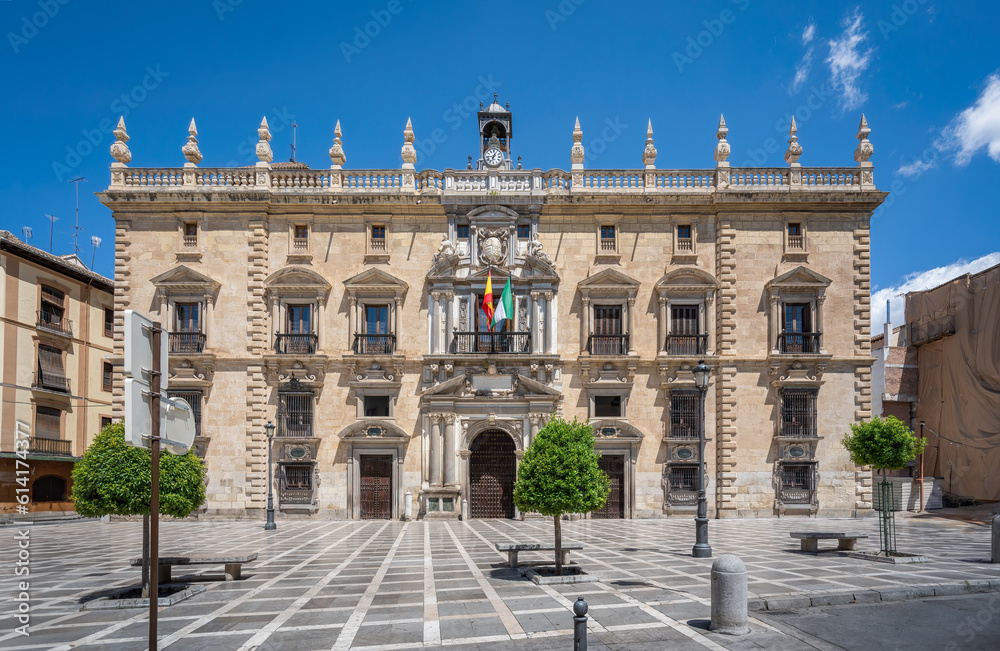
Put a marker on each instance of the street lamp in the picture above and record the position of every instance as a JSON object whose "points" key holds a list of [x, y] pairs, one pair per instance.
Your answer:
{"points": [[701, 547], [269, 525]]}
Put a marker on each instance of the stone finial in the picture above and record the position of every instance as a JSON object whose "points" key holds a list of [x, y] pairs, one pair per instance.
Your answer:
{"points": [[119, 150], [408, 153], [190, 150], [337, 157], [794, 148], [722, 147], [649, 154], [263, 146], [865, 149], [576, 152]]}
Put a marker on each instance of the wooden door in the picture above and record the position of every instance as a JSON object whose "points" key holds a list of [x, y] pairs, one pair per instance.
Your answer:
{"points": [[613, 466], [492, 471], [376, 486]]}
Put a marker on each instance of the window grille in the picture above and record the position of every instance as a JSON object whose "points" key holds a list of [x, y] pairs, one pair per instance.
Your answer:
{"points": [[297, 477], [194, 399], [685, 414], [797, 476], [683, 478], [296, 414], [798, 412]]}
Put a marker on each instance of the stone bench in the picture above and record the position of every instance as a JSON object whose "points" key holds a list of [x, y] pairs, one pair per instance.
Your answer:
{"points": [[233, 564], [513, 549], [810, 539]]}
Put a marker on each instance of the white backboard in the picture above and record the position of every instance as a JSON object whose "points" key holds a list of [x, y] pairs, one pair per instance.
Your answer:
{"points": [[176, 419], [139, 348], [178, 425]]}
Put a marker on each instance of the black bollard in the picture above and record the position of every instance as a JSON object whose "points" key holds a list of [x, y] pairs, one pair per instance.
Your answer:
{"points": [[580, 625]]}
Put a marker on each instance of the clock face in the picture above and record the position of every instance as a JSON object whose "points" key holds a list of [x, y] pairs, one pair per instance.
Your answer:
{"points": [[493, 156]]}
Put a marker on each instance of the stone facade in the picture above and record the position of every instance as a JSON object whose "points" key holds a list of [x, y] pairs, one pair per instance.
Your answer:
{"points": [[343, 306]]}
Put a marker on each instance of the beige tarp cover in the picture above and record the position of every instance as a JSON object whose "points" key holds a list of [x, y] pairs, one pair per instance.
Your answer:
{"points": [[960, 381]]}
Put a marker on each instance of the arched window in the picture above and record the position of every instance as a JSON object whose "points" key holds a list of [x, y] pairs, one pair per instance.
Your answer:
{"points": [[49, 489]]}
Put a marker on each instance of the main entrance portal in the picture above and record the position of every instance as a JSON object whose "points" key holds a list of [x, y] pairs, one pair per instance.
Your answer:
{"points": [[613, 466], [492, 470], [376, 486]]}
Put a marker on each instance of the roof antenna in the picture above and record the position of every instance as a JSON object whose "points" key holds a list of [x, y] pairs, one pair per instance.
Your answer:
{"points": [[294, 127], [96, 243], [26, 232], [52, 227], [77, 228]]}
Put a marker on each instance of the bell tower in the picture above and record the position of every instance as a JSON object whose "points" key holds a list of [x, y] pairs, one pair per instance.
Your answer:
{"points": [[495, 132]]}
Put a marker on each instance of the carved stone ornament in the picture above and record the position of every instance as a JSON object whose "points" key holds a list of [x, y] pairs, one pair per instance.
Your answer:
{"points": [[576, 151], [408, 153], [649, 153], [263, 146], [190, 150], [535, 249], [492, 245], [722, 147], [865, 149], [337, 157], [119, 150], [446, 250], [794, 148]]}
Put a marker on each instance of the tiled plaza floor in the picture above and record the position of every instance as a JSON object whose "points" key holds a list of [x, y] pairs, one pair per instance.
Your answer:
{"points": [[395, 585]]}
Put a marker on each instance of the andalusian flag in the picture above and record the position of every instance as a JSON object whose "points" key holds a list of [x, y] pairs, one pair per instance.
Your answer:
{"points": [[505, 308], [488, 301]]}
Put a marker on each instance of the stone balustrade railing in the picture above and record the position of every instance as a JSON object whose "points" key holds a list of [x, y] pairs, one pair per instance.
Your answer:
{"points": [[552, 182]]}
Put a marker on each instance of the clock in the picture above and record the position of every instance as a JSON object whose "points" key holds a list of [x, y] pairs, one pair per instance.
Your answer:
{"points": [[493, 157]]}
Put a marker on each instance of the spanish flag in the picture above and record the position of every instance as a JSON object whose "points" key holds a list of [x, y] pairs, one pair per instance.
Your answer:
{"points": [[488, 301]]}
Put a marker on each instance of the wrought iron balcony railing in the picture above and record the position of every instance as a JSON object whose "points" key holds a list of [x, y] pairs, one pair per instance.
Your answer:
{"points": [[365, 344], [295, 344], [686, 344], [607, 344], [54, 323], [50, 382], [507, 343], [799, 342], [50, 446], [186, 342]]}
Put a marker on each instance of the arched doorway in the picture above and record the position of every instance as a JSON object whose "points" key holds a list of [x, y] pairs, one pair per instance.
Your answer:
{"points": [[49, 489], [492, 471]]}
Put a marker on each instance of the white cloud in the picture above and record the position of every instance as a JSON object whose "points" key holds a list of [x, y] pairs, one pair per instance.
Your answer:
{"points": [[916, 168], [923, 280], [808, 33], [977, 126], [901, 105], [804, 67], [848, 59]]}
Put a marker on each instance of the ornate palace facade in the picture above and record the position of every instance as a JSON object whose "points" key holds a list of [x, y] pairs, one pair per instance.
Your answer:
{"points": [[345, 307]]}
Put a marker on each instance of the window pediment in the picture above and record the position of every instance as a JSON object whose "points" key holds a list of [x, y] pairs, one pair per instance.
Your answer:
{"points": [[184, 280], [376, 282], [373, 429], [686, 279], [297, 281], [609, 282], [799, 279]]}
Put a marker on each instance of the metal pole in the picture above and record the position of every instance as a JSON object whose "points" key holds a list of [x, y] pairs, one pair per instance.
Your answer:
{"points": [[154, 496], [269, 525], [580, 625], [701, 547], [920, 465]]}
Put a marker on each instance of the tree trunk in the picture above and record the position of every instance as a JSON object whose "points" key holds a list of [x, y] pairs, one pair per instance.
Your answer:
{"points": [[145, 557], [559, 568]]}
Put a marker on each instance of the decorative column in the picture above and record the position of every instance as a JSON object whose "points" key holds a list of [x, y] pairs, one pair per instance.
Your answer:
{"points": [[584, 322], [352, 319], [631, 325], [449, 449], [710, 322], [549, 324], [435, 478], [661, 345], [819, 321], [208, 324], [775, 324], [435, 322], [863, 152], [396, 323], [449, 320], [536, 319], [535, 421]]}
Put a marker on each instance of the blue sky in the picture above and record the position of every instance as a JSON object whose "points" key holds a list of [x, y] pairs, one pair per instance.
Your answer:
{"points": [[923, 73]]}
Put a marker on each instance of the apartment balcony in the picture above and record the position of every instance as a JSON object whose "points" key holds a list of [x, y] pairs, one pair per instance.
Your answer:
{"points": [[50, 382], [50, 446], [53, 323], [799, 342], [607, 344], [186, 342], [490, 343], [295, 344], [692, 345], [374, 344]]}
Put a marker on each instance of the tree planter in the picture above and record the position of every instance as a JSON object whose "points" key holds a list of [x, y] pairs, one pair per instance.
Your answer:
{"points": [[546, 575]]}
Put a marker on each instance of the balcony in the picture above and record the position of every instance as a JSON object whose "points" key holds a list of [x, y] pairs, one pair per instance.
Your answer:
{"points": [[50, 446], [607, 344], [54, 323], [799, 342], [685, 245], [374, 344], [186, 342], [291, 495], [686, 344], [505, 343], [50, 382], [295, 344], [796, 243]]}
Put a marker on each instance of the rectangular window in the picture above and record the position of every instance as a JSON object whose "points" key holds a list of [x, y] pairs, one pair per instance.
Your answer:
{"points": [[683, 478], [190, 234], [187, 317], [685, 337], [685, 417], [107, 376], [297, 476], [299, 319], [105, 421], [608, 337], [194, 399], [798, 317], [608, 244], [798, 412], [51, 374], [608, 407], [523, 231], [52, 308], [377, 319], [109, 322], [796, 475], [376, 406], [684, 240], [301, 239], [48, 422], [296, 415], [798, 335], [378, 238], [462, 231], [795, 240]]}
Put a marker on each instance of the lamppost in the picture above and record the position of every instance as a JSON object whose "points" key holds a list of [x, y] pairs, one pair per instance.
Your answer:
{"points": [[269, 525], [701, 547]]}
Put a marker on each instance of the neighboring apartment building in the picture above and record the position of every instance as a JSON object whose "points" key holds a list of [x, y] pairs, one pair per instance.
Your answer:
{"points": [[345, 306], [57, 334]]}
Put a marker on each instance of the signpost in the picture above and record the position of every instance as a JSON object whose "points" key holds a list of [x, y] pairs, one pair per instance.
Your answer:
{"points": [[146, 409]]}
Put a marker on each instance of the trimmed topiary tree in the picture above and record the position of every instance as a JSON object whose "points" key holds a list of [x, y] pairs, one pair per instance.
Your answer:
{"points": [[884, 444], [559, 474]]}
